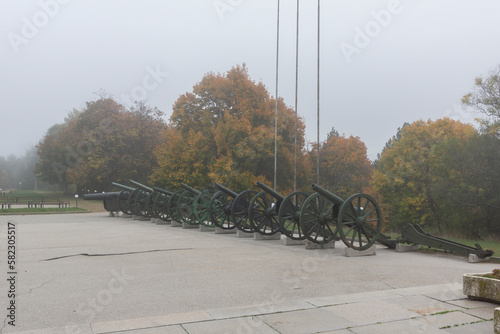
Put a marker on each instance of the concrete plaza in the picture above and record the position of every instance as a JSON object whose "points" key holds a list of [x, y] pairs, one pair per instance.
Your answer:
{"points": [[90, 273]]}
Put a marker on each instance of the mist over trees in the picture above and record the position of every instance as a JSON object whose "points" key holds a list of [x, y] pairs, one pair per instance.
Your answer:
{"points": [[441, 174]]}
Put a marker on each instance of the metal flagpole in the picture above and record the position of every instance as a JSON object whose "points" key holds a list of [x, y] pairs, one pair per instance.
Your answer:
{"points": [[318, 92], [296, 96], [276, 117]]}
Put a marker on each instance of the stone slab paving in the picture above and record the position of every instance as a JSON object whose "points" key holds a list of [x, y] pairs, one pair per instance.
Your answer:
{"points": [[99, 275]]}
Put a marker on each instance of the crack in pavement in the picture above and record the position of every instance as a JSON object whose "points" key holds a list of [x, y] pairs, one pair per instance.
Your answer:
{"points": [[117, 254]]}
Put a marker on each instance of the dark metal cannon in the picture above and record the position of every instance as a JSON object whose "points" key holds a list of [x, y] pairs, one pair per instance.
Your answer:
{"points": [[357, 220], [144, 200], [270, 212], [126, 204], [193, 206], [220, 207], [111, 200], [160, 206]]}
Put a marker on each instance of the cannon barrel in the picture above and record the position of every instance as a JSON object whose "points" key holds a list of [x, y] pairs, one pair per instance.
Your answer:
{"points": [[101, 196], [270, 191], [142, 186], [163, 191], [328, 195], [121, 186], [225, 190], [188, 188]]}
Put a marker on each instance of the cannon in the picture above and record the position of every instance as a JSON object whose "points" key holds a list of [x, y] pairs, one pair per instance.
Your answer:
{"points": [[357, 220], [144, 200], [193, 206], [160, 206], [270, 212], [126, 204], [111, 200], [220, 207], [240, 209]]}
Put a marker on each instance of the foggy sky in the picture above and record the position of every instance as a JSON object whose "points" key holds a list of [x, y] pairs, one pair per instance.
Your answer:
{"points": [[383, 63]]}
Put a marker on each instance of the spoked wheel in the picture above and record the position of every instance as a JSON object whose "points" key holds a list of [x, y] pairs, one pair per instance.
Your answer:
{"points": [[360, 222], [263, 215], [289, 215], [123, 202], [185, 207], [140, 204], [160, 206], [132, 198], [150, 201], [202, 207], [318, 219], [220, 211], [239, 210], [172, 211]]}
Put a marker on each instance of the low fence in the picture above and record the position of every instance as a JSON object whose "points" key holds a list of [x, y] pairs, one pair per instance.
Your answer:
{"points": [[32, 202]]}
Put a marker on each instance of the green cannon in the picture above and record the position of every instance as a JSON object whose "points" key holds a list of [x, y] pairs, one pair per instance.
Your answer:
{"points": [[240, 209], [111, 200], [126, 204], [193, 206], [357, 220]]}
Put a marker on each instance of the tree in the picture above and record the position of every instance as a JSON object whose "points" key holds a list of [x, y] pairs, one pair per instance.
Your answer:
{"points": [[344, 166], [224, 132], [405, 174], [485, 98], [100, 144]]}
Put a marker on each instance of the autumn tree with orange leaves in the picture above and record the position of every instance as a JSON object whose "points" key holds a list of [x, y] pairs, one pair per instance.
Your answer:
{"points": [[224, 132], [344, 166]]}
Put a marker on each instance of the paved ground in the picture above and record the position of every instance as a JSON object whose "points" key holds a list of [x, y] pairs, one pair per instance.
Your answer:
{"points": [[89, 273]]}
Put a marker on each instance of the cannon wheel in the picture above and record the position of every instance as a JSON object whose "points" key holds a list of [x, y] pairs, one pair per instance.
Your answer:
{"points": [[132, 200], [172, 206], [140, 204], [289, 215], [123, 202], [239, 210], [263, 215], [220, 211], [202, 207], [360, 222], [160, 206], [185, 207], [149, 205], [317, 219]]}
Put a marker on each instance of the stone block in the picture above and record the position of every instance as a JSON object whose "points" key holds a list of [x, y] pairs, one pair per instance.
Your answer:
{"points": [[160, 221], [400, 248], [312, 245], [350, 252], [204, 228], [241, 234], [291, 242], [473, 258], [258, 236], [126, 216], [186, 225], [174, 223], [219, 230]]}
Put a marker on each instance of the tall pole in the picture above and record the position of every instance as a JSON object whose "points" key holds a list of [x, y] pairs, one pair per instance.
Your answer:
{"points": [[277, 77], [318, 92], [296, 97]]}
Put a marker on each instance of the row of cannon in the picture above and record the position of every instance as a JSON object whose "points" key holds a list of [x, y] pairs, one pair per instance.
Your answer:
{"points": [[320, 217]]}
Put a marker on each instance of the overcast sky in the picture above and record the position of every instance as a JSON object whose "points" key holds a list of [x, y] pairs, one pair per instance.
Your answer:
{"points": [[383, 62]]}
